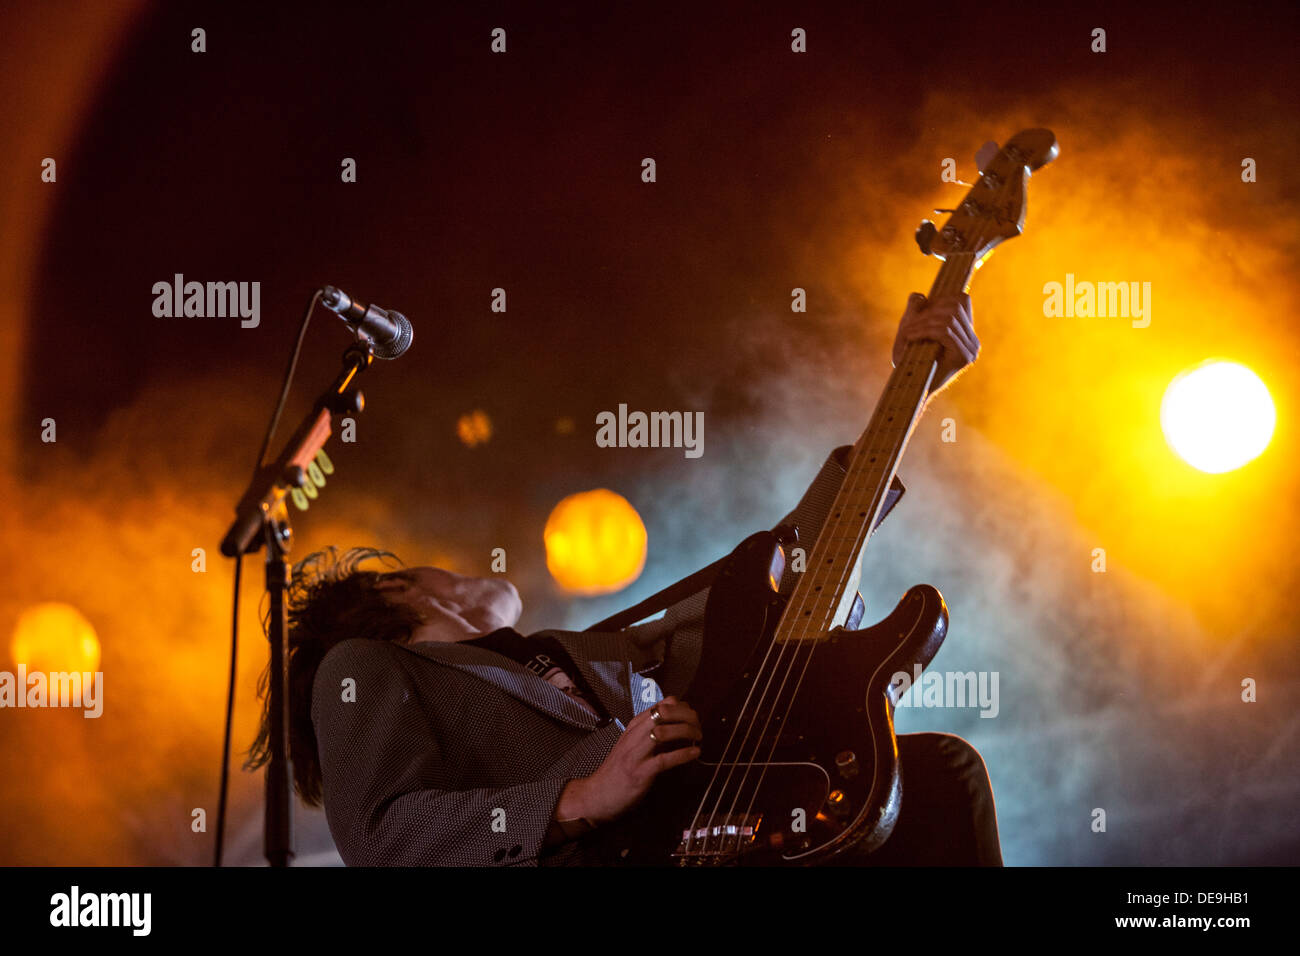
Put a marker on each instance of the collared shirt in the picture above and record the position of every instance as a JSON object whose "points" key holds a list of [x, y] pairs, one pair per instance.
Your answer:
{"points": [[545, 657]]}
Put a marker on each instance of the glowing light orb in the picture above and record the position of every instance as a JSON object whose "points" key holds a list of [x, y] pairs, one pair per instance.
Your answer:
{"points": [[55, 637], [474, 428], [1217, 416], [595, 542]]}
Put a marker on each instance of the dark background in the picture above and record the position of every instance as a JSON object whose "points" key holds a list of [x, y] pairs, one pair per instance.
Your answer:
{"points": [[775, 171]]}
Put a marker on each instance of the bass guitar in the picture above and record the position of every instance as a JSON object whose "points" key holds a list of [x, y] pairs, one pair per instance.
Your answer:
{"points": [[800, 763]]}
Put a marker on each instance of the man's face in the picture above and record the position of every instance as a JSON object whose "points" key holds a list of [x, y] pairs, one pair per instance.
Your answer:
{"points": [[453, 607]]}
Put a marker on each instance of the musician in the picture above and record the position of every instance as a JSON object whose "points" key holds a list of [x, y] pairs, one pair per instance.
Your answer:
{"points": [[436, 734]]}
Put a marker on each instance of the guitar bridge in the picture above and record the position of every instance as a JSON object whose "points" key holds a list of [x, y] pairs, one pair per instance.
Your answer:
{"points": [[717, 838]]}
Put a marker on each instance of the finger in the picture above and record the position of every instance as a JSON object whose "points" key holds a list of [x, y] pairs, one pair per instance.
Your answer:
{"points": [[680, 730], [915, 303], [674, 758], [954, 346], [964, 315], [682, 712], [934, 323], [643, 741], [932, 329], [667, 733], [920, 320], [665, 706], [673, 713], [954, 349], [968, 308], [972, 343], [643, 746], [637, 742], [953, 305], [963, 341], [953, 359]]}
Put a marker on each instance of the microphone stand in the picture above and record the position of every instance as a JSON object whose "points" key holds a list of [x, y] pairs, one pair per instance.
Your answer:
{"points": [[263, 508]]}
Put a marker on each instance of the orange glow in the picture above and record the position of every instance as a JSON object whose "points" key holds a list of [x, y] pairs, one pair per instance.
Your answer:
{"points": [[595, 543], [1070, 403], [474, 428], [55, 637]]}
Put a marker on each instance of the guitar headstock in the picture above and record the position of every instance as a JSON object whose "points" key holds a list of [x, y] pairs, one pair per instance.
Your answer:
{"points": [[994, 209]]}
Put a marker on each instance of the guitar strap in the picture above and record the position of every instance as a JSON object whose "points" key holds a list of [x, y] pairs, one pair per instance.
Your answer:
{"points": [[701, 579]]}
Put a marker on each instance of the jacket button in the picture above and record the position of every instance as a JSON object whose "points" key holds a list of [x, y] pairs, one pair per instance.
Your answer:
{"points": [[499, 855], [515, 851]]}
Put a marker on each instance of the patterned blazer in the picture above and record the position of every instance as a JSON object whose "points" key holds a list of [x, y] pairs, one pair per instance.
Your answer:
{"points": [[451, 755]]}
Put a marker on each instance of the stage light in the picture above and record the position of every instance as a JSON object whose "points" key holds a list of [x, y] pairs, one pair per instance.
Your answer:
{"points": [[1217, 416], [474, 428], [595, 542], [54, 637]]}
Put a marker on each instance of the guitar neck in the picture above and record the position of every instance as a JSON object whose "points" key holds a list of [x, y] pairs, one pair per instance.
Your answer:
{"points": [[822, 598]]}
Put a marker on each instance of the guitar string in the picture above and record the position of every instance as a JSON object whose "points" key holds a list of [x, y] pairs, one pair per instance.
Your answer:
{"points": [[723, 761], [813, 643], [886, 406], [944, 279], [771, 677], [918, 357], [950, 279]]}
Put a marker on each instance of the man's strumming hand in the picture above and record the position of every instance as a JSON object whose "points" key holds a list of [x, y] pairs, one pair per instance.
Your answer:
{"points": [[637, 759]]}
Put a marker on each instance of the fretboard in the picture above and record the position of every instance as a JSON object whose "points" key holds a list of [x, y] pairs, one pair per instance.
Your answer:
{"points": [[823, 597]]}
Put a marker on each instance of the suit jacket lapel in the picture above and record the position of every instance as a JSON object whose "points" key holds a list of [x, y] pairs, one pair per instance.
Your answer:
{"points": [[608, 677], [509, 676]]}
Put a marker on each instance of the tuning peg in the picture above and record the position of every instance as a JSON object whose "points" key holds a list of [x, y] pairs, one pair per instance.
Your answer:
{"points": [[985, 155], [925, 235]]}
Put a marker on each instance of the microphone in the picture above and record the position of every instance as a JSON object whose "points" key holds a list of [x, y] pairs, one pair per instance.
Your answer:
{"points": [[389, 332]]}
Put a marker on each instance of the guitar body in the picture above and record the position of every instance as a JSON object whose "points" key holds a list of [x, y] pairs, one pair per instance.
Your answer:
{"points": [[823, 780]]}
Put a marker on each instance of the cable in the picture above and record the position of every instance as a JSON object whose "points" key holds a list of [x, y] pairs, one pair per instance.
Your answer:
{"points": [[239, 566]]}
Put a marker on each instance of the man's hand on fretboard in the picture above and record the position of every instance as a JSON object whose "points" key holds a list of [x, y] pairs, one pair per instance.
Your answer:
{"points": [[947, 320]]}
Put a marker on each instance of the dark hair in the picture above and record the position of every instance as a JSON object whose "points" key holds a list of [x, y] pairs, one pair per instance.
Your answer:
{"points": [[330, 599]]}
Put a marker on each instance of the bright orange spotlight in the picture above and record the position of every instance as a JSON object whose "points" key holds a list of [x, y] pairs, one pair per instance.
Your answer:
{"points": [[1217, 416], [54, 637], [595, 542]]}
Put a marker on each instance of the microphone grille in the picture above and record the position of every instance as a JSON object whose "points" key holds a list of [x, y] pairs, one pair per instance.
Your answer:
{"points": [[399, 345]]}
